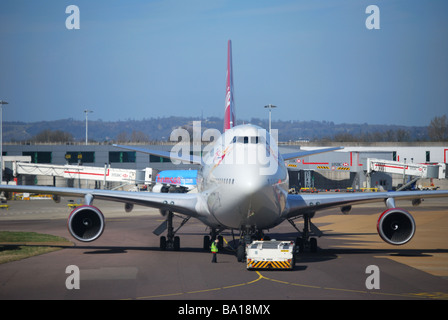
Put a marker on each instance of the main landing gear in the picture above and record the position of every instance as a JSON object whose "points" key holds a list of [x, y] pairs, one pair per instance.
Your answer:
{"points": [[304, 241], [171, 241]]}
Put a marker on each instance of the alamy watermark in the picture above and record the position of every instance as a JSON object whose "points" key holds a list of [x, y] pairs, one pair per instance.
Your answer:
{"points": [[373, 280], [244, 146], [73, 280], [73, 21], [373, 20]]}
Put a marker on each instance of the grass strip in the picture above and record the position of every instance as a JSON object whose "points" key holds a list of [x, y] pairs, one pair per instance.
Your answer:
{"points": [[20, 245]]}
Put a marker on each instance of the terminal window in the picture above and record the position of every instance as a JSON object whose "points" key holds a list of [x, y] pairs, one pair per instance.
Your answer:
{"points": [[153, 158], [122, 156], [38, 156], [84, 157]]}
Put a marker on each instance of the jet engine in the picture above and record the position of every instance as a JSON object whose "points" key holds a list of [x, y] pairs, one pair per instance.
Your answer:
{"points": [[160, 188], [396, 226], [86, 223], [128, 207]]}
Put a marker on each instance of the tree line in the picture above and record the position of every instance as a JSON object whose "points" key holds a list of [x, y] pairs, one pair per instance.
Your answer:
{"points": [[59, 136], [313, 131]]}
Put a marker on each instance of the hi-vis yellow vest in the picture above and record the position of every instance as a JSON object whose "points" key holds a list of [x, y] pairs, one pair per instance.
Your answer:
{"points": [[214, 247]]}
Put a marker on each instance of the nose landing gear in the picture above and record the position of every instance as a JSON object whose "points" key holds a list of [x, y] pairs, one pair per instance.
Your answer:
{"points": [[212, 237], [247, 235]]}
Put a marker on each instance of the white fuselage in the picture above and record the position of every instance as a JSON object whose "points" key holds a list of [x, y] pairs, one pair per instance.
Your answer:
{"points": [[243, 180]]}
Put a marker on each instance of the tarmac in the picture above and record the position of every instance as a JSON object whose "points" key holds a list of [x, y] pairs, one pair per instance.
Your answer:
{"points": [[126, 262]]}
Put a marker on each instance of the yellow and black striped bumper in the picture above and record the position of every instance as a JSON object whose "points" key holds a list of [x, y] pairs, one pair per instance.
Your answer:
{"points": [[253, 264]]}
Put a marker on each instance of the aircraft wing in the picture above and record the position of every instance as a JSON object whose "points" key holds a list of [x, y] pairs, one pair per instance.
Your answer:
{"points": [[184, 203], [165, 154], [198, 160], [300, 204], [304, 153]]}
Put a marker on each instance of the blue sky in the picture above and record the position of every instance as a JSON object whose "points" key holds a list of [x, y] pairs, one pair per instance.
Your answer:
{"points": [[315, 60]]}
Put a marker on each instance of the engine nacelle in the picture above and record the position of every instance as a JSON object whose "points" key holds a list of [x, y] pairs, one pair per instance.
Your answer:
{"points": [[128, 207], [86, 223], [396, 226], [160, 188], [346, 209]]}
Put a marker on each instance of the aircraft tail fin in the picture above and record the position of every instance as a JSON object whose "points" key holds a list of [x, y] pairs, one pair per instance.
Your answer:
{"points": [[229, 115]]}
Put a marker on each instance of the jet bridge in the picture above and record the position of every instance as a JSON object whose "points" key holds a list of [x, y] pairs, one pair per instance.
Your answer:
{"points": [[415, 170], [105, 174], [420, 170]]}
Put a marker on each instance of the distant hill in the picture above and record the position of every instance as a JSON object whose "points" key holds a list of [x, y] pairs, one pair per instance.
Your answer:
{"points": [[159, 129]]}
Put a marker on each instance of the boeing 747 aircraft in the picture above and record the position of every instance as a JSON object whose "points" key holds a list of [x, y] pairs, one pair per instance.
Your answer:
{"points": [[242, 185]]}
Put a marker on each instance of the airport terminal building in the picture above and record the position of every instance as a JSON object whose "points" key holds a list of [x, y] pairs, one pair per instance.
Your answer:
{"points": [[349, 167], [357, 167]]}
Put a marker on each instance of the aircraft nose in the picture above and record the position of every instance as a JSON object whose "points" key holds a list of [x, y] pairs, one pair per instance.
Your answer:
{"points": [[253, 184]]}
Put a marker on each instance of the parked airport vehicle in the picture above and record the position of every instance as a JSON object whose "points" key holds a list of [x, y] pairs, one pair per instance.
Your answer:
{"points": [[270, 255]]}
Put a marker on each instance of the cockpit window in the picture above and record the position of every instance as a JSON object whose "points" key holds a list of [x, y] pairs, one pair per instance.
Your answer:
{"points": [[247, 140]]}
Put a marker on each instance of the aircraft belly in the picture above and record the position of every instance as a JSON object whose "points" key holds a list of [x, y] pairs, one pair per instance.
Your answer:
{"points": [[227, 207], [262, 209], [266, 208]]}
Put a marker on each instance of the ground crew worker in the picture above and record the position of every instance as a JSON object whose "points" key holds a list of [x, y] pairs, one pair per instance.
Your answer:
{"points": [[214, 249]]}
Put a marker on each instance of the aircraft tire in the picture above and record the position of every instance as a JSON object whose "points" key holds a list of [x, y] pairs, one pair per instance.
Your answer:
{"points": [[313, 245], [220, 242], [162, 243], [299, 244], [176, 244], [206, 243], [240, 253]]}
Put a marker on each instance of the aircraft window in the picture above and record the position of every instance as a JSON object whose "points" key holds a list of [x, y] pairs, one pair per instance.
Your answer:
{"points": [[242, 139], [247, 140], [254, 140]]}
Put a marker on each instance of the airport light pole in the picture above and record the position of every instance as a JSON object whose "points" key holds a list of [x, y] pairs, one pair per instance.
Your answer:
{"points": [[270, 107], [1, 138], [87, 124]]}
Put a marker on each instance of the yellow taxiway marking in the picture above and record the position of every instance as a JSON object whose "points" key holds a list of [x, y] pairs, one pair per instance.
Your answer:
{"points": [[422, 295], [202, 291]]}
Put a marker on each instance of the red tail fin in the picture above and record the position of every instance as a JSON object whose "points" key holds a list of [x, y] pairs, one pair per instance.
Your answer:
{"points": [[229, 115]]}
